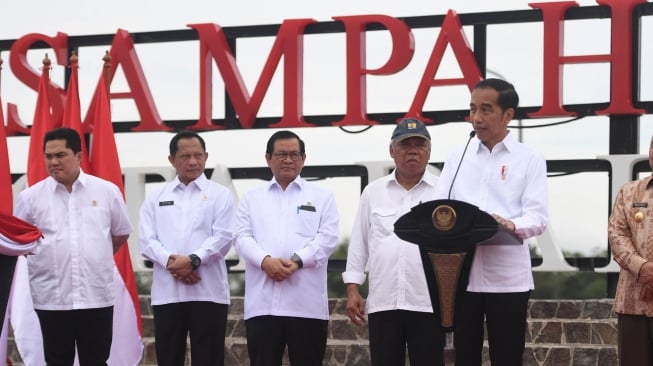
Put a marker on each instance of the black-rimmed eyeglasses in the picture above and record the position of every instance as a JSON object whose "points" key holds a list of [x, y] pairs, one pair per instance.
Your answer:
{"points": [[282, 155]]}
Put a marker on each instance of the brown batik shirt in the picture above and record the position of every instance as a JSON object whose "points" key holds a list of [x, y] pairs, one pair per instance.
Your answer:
{"points": [[630, 231]]}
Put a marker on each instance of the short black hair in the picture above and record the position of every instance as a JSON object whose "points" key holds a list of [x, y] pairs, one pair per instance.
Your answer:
{"points": [[174, 143], [282, 135], [73, 141], [508, 97]]}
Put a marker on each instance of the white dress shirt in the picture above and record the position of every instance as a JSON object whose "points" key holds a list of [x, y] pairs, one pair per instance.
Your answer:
{"points": [[396, 274], [197, 218], [509, 181], [303, 219], [72, 268]]}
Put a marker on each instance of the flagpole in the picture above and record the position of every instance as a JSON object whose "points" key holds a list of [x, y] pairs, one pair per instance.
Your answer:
{"points": [[46, 70], [107, 73]]}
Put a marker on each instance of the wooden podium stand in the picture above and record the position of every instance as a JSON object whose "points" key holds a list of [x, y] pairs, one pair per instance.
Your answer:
{"points": [[447, 232]]}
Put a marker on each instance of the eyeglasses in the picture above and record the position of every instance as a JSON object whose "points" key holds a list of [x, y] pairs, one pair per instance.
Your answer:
{"points": [[282, 155]]}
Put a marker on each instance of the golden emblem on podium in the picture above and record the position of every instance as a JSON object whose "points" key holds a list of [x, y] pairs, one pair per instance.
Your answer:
{"points": [[443, 217]]}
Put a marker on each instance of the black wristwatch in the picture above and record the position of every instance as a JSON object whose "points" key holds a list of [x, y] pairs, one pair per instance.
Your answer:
{"points": [[195, 261], [297, 259]]}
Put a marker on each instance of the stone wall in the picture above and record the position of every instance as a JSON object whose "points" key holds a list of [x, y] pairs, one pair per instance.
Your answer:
{"points": [[560, 333]]}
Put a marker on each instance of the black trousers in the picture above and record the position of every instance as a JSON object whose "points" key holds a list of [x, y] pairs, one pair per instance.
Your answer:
{"points": [[7, 267], [391, 332], [268, 336], [89, 329], [505, 318], [204, 321], [635, 340]]}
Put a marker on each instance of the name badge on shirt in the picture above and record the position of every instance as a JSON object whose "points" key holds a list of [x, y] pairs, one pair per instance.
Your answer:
{"points": [[640, 204], [166, 203]]}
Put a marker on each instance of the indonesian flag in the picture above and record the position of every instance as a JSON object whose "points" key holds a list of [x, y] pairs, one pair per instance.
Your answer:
{"points": [[127, 346], [6, 206], [6, 195], [72, 112], [41, 124], [24, 321]]}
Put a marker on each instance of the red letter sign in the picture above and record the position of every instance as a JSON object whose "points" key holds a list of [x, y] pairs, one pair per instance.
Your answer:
{"points": [[451, 33], [123, 53], [289, 43], [620, 58], [30, 77], [403, 47]]}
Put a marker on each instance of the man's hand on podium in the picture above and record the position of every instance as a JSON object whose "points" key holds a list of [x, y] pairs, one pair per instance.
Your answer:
{"points": [[507, 224], [355, 304]]}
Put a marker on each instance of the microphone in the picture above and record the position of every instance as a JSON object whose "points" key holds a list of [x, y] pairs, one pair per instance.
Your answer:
{"points": [[471, 136]]}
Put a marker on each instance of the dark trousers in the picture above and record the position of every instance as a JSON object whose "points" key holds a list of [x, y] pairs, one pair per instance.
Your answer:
{"points": [[268, 336], [391, 332], [204, 321], [7, 266], [90, 329], [635, 340], [505, 318]]}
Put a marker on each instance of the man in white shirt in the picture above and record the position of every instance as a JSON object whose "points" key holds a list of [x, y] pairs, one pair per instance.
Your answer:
{"points": [[185, 229], [399, 310], [508, 180], [287, 229], [84, 221]]}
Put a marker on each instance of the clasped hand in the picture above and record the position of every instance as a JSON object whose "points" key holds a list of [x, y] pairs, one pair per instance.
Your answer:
{"points": [[278, 269], [181, 269]]}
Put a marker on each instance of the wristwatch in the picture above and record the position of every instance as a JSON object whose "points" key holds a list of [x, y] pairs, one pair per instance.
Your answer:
{"points": [[195, 261], [297, 259]]}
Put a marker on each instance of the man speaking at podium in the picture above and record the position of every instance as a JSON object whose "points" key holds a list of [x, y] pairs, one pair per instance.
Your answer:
{"points": [[507, 179]]}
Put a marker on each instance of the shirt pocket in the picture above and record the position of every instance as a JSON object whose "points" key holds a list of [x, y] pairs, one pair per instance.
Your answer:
{"points": [[96, 224], [308, 223], [383, 220]]}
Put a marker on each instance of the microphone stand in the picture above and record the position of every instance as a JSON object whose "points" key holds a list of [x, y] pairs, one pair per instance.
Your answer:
{"points": [[471, 136], [449, 352]]}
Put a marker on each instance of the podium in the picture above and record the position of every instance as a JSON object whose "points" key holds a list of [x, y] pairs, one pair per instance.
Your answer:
{"points": [[447, 233]]}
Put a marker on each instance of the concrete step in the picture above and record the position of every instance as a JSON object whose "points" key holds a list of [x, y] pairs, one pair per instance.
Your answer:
{"points": [[560, 333]]}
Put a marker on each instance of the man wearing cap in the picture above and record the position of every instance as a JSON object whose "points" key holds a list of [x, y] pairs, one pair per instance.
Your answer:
{"points": [[398, 305]]}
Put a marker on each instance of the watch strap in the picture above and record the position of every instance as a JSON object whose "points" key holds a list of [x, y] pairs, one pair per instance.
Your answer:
{"points": [[297, 259], [195, 261]]}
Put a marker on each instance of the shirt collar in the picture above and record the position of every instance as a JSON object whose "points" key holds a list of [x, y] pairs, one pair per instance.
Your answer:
{"points": [[200, 182], [82, 179], [298, 181], [649, 182], [508, 143], [427, 178]]}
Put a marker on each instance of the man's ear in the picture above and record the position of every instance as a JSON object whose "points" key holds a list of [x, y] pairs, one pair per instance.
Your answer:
{"points": [[510, 113]]}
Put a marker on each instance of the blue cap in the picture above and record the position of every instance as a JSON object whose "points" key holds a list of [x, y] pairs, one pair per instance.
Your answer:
{"points": [[410, 127]]}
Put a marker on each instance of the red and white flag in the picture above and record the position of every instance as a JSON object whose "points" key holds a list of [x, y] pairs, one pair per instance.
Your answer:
{"points": [[6, 206], [25, 323], [6, 193], [127, 346], [41, 124], [72, 115]]}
